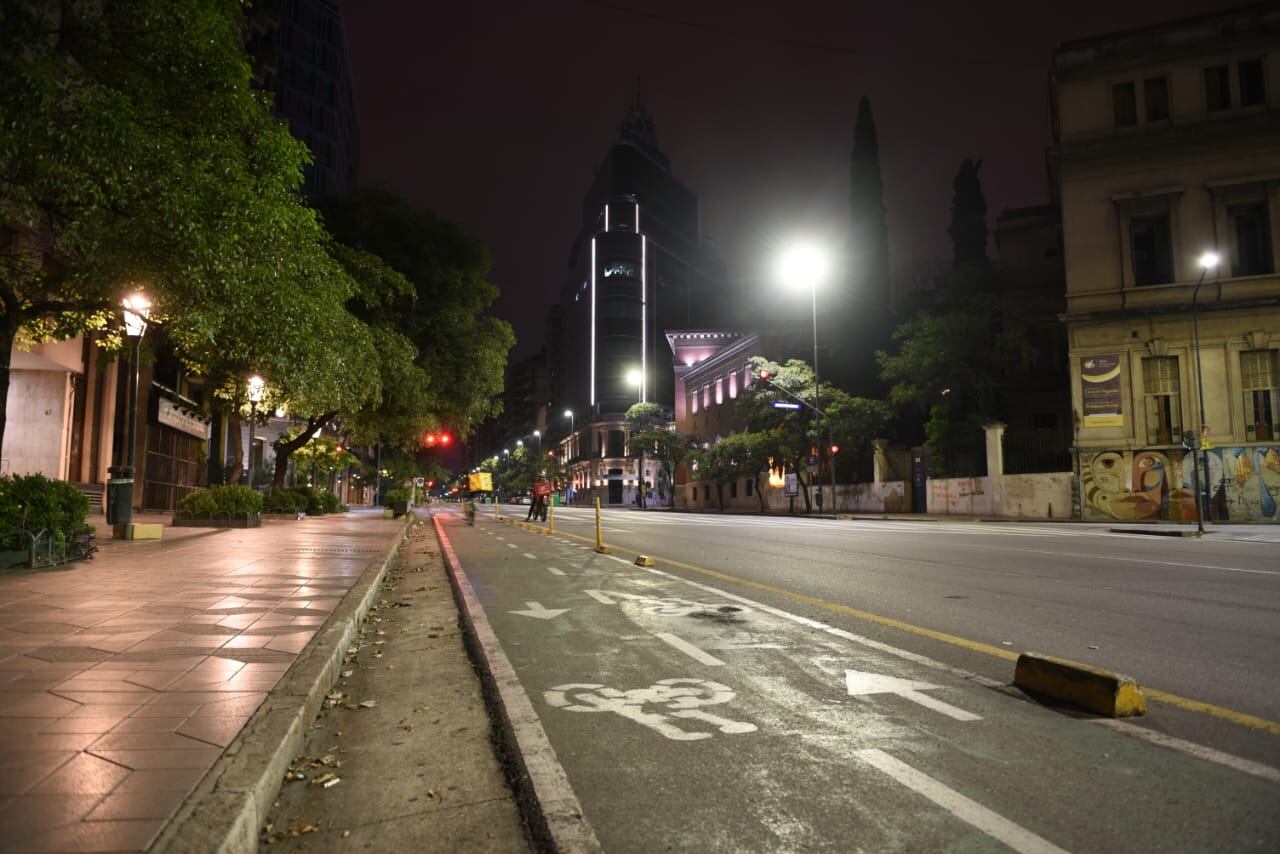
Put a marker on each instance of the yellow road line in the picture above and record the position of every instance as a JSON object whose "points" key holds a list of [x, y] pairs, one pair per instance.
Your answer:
{"points": [[1157, 696]]}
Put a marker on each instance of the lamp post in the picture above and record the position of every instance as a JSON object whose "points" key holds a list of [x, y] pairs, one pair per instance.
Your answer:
{"points": [[537, 434], [137, 308], [636, 378], [805, 266], [256, 384], [1208, 261]]}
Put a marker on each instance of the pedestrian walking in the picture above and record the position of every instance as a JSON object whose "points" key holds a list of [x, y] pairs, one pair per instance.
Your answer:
{"points": [[533, 509]]}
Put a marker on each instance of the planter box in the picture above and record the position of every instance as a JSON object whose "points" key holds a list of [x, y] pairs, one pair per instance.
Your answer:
{"points": [[14, 558], [252, 520], [400, 508], [281, 517]]}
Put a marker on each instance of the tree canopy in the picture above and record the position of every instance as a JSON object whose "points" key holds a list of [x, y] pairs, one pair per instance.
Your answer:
{"points": [[135, 155]]}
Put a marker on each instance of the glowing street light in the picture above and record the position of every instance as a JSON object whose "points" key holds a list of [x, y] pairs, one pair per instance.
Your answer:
{"points": [[256, 386], [1208, 261], [636, 378], [137, 309], [805, 265]]}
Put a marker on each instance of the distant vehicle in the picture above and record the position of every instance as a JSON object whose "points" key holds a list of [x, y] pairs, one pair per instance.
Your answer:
{"points": [[519, 499]]}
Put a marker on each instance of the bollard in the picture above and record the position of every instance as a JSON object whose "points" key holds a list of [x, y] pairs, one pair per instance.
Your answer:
{"points": [[551, 517], [600, 546], [495, 507]]}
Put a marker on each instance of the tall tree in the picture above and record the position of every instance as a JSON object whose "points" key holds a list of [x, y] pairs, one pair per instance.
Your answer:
{"points": [[968, 229], [135, 154], [653, 434], [429, 302], [869, 252]]}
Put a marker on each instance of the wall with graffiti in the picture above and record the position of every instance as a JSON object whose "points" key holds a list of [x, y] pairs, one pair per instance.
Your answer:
{"points": [[1244, 484]]}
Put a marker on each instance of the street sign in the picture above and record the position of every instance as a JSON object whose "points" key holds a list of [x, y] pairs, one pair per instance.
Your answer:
{"points": [[791, 486], [482, 482], [812, 463], [419, 481], [782, 404]]}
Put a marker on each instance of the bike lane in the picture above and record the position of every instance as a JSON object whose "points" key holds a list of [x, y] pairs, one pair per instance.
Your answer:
{"points": [[689, 716]]}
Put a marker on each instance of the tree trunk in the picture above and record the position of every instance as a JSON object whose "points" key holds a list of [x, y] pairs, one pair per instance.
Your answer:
{"points": [[8, 332], [216, 441], [284, 448], [760, 494]]}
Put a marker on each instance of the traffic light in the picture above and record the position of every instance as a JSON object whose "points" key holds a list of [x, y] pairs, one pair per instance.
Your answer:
{"points": [[764, 374], [433, 439], [835, 449]]}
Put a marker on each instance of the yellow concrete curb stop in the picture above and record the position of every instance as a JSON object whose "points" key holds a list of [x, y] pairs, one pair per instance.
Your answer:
{"points": [[604, 550], [1092, 688], [644, 560]]}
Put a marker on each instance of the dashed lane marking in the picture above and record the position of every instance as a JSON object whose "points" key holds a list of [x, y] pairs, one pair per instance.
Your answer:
{"points": [[512, 546], [969, 811], [554, 571], [689, 649], [530, 555]]}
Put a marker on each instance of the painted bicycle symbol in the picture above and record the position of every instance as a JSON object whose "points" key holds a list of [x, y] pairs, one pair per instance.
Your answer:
{"points": [[679, 698]]}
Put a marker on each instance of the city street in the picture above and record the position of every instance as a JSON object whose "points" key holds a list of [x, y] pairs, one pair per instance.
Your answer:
{"points": [[845, 684]]}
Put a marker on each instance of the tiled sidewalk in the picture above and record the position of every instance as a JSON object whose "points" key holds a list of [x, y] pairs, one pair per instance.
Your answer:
{"points": [[122, 679]]}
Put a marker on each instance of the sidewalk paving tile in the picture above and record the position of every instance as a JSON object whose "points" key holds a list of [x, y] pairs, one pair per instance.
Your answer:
{"points": [[123, 679]]}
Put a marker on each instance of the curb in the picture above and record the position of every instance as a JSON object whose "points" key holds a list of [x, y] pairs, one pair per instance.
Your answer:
{"points": [[227, 809], [1092, 688], [551, 809], [1156, 532]]}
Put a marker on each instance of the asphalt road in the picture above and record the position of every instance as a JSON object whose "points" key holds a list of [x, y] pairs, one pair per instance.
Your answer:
{"points": [[835, 686]]}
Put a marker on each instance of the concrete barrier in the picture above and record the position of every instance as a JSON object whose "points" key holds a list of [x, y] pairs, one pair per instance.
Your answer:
{"points": [[1092, 688]]}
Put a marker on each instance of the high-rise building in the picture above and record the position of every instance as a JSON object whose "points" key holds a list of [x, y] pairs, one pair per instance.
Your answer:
{"points": [[300, 55], [638, 266]]}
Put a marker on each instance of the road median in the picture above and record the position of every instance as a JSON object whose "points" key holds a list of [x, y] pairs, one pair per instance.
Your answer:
{"points": [[1093, 688]]}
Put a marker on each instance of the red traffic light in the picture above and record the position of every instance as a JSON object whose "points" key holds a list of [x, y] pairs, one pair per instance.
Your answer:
{"points": [[445, 438], [433, 439], [764, 374], [835, 449]]}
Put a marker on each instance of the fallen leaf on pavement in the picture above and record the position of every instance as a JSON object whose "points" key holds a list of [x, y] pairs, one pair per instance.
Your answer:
{"points": [[368, 704], [326, 780]]}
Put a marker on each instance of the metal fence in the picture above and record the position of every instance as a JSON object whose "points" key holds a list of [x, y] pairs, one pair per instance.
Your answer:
{"points": [[1036, 453]]}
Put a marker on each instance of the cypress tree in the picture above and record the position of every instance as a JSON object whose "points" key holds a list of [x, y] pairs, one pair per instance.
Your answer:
{"points": [[870, 236], [968, 229]]}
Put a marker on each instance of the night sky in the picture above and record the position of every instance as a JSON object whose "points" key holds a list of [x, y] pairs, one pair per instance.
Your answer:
{"points": [[496, 115]]}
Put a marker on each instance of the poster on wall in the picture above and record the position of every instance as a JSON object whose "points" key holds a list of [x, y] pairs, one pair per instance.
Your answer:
{"points": [[1100, 394]]}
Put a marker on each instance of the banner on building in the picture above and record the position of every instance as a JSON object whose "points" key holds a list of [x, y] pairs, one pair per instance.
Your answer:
{"points": [[171, 415], [1101, 399]]}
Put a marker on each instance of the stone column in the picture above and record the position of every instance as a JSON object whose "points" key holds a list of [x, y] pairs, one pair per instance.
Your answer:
{"points": [[879, 461], [995, 448]]}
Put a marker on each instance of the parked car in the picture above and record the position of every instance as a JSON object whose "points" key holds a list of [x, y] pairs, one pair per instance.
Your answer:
{"points": [[519, 499]]}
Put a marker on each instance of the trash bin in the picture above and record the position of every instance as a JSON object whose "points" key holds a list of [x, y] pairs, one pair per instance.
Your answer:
{"points": [[119, 495]]}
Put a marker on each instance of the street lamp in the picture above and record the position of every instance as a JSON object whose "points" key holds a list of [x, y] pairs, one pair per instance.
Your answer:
{"points": [[1208, 261], [537, 434], [256, 385], [636, 378], [137, 309], [519, 443], [801, 266]]}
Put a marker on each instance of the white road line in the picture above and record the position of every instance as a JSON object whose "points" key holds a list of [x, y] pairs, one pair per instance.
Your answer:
{"points": [[530, 555], [512, 546], [554, 571], [689, 649], [1246, 766], [599, 597], [500, 538], [994, 825]]}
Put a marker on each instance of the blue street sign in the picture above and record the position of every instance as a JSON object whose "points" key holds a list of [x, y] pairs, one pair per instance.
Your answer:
{"points": [[782, 404]]}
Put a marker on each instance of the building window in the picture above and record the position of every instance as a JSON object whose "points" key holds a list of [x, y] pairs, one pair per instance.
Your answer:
{"points": [[706, 396], [1251, 239], [733, 385], [1217, 89], [750, 487], [1125, 103], [1155, 96], [693, 401], [747, 376], [733, 489], [706, 492], [1152, 252], [719, 390], [1260, 385], [1252, 85], [1164, 411]]}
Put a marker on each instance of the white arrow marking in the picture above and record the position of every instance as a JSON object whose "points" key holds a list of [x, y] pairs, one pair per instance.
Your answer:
{"points": [[859, 684], [599, 597], [536, 610], [972, 812]]}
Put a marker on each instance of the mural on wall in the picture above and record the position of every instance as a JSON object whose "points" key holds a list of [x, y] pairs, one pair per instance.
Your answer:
{"points": [[1131, 485]]}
